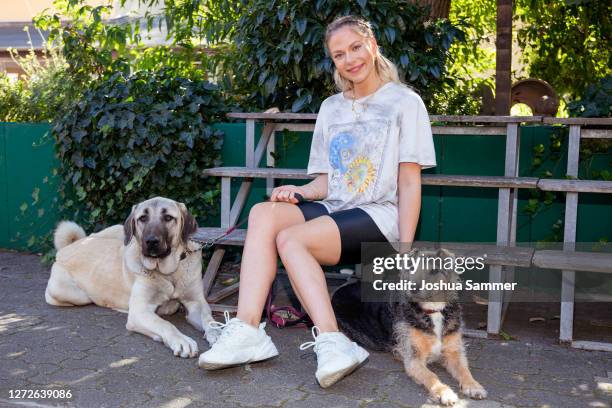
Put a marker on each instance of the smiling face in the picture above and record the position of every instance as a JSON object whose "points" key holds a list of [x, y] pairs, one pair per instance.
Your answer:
{"points": [[352, 54]]}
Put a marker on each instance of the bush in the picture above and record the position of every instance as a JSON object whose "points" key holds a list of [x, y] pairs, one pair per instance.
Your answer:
{"points": [[13, 96], [134, 137], [279, 57], [44, 92], [596, 102]]}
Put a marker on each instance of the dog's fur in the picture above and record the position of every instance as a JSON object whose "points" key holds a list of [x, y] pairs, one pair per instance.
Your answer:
{"points": [[417, 327], [136, 268]]}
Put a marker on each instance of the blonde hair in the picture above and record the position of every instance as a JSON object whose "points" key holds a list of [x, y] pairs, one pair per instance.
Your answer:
{"points": [[385, 69]]}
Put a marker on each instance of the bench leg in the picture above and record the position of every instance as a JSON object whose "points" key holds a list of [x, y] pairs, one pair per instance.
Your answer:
{"points": [[494, 309], [568, 278], [212, 270], [566, 328]]}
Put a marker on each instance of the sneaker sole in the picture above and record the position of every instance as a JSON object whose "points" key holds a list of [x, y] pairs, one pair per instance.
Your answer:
{"points": [[334, 378], [269, 352], [221, 366]]}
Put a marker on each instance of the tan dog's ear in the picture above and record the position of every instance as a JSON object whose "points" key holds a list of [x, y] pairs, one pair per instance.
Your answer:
{"points": [[129, 226], [190, 225]]}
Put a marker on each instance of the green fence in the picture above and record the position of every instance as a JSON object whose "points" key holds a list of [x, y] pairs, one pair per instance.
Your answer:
{"points": [[448, 213]]}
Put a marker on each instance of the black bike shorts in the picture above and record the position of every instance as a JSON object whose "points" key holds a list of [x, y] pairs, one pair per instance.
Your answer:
{"points": [[355, 226]]}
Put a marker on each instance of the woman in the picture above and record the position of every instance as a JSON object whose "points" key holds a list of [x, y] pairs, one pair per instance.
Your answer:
{"points": [[369, 145]]}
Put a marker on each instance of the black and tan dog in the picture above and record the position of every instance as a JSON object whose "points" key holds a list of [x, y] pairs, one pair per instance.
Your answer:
{"points": [[417, 326]]}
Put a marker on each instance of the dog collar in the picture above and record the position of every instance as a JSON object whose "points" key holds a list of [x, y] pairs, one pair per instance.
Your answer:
{"points": [[431, 311]]}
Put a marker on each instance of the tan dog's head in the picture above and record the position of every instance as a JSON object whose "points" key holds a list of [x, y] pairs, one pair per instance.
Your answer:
{"points": [[159, 225]]}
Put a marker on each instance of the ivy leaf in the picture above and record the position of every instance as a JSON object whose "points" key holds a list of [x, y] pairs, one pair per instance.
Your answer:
{"points": [[90, 162], [78, 135], [77, 159], [270, 84], [126, 161], [429, 39], [187, 137], [300, 26], [390, 34], [435, 71], [299, 103]]}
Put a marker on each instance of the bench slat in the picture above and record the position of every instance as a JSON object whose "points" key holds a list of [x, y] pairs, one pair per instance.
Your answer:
{"points": [[574, 261], [496, 255], [258, 172], [427, 179], [433, 118], [576, 186], [578, 121]]}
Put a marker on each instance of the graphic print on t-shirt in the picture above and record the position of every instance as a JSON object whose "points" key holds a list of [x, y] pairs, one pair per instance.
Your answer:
{"points": [[355, 156]]}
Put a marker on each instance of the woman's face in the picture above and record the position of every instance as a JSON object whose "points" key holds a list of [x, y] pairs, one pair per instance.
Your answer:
{"points": [[352, 58]]}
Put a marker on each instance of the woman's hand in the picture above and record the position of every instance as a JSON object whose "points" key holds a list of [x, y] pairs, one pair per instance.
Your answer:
{"points": [[287, 194]]}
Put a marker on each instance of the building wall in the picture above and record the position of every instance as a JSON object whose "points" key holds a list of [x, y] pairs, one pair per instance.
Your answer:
{"points": [[24, 10], [14, 16]]}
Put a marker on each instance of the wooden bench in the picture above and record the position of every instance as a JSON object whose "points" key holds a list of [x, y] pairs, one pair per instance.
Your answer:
{"points": [[502, 257]]}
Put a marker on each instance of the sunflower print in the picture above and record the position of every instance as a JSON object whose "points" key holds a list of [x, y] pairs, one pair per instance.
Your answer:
{"points": [[359, 175]]}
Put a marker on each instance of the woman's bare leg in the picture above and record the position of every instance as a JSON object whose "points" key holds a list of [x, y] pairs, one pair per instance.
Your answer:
{"points": [[259, 256], [303, 248]]}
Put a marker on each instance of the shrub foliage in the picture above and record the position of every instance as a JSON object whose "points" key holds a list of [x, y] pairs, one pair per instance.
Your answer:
{"points": [[134, 137]]}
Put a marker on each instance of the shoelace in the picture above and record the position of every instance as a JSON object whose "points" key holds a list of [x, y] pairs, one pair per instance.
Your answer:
{"points": [[317, 341], [226, 328]]}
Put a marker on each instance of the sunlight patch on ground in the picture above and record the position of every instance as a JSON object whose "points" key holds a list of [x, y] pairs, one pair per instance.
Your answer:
{"points": [[10, 319], [124, 362], [180, 402]]}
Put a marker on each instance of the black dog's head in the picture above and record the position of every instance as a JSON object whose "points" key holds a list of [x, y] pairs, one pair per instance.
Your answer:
{"points": [[433, 276]]}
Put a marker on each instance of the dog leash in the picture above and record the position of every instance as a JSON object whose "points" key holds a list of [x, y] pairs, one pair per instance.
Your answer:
{"points": [[209, 243]]}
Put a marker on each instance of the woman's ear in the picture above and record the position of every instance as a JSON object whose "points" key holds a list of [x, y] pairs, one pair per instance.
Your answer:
{"points": [[374, 46]]}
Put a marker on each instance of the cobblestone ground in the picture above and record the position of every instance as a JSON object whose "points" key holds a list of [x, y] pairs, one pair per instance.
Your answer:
{"points": [[88, 351]]}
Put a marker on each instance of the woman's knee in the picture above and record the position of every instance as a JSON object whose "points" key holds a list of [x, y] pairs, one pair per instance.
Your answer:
{"points": [[285, 239], [261, 215]]}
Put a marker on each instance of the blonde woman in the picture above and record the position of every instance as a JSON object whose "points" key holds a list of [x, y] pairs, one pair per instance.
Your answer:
{"points": [[370, 142]]}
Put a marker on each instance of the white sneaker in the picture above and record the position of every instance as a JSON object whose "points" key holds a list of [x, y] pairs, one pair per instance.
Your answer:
{"points": [[239, 343], [337, 356]]}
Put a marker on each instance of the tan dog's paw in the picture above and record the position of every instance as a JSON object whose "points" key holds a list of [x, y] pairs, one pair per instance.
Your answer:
{"points": [[474, 390], [183, 346], [445, 395]]}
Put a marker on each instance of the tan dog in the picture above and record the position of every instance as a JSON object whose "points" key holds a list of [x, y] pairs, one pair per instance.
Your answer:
{"points": [[145, 268]]}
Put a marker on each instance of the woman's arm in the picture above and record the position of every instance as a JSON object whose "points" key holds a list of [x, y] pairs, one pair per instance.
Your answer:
{"points": [[409, 196], [315, 190]]}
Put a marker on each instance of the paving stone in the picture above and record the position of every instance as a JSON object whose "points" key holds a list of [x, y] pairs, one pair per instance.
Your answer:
{"points": [[89, 350]]}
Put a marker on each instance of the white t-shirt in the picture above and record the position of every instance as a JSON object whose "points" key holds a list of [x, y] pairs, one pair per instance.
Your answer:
{"points": [[361, 150]]}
